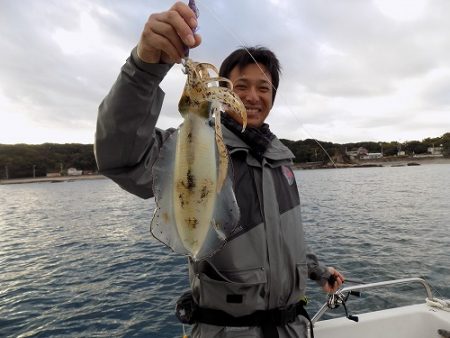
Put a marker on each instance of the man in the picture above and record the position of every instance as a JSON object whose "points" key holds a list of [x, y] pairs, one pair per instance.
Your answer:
{"points": [[253, 287]]}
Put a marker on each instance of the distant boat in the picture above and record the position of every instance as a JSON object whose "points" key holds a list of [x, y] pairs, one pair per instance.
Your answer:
{"points": [[410, 164]]}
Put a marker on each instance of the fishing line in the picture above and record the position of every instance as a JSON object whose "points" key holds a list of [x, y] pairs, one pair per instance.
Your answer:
{"points": [[279, 94]]}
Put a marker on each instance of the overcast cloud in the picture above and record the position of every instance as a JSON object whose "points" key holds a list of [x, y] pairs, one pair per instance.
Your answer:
{"points": [[353, 70]]}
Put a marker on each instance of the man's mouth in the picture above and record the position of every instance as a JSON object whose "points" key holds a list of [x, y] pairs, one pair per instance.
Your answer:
{"points": [[252, 110]]}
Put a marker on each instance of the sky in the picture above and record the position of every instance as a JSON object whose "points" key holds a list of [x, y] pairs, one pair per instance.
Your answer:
{"points": [[352, 70]]}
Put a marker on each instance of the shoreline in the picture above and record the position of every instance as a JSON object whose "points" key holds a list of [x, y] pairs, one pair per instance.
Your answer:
{"points": [[382, 162], [56, 179]]}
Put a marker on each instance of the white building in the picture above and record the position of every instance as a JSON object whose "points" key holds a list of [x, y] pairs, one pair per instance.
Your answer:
{"points": [[74, 172], [435, 150], [372, 156], [359, 153]]}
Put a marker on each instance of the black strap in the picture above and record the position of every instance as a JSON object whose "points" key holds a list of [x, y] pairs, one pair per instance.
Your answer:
{"points": [[268, 320]]}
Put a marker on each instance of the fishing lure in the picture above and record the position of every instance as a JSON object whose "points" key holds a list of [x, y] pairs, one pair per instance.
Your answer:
{"points": [[194, 8]]}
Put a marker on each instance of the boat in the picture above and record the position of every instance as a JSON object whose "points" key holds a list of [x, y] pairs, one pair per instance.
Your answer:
{"points": [[430, 319]]}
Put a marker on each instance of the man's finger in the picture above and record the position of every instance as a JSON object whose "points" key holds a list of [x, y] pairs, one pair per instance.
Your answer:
{"points": [[184, 22], [165, 36]]}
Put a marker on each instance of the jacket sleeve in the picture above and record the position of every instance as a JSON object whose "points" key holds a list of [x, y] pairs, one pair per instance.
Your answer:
{"points": [[126, 140]]}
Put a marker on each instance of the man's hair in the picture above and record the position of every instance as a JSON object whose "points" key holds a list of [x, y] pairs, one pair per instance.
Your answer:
{"points": [[244, 56]]}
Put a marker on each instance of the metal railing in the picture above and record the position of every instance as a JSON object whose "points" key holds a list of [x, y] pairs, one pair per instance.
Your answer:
{"points": [[338, 295]]}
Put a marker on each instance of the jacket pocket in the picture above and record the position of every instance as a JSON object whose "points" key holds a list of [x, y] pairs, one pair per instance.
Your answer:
{"points": [[237, 293]]}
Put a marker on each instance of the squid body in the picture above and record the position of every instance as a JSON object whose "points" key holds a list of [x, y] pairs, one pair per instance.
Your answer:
{"points": [[196, 210]]}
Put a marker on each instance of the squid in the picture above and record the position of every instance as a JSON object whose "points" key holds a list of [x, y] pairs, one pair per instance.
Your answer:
{"points": [[196, 210]]}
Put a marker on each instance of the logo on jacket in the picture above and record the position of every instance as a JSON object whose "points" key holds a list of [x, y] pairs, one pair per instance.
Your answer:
{"points": [[288, 173]]}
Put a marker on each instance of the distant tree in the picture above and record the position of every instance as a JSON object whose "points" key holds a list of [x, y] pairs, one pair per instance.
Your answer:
{"points": [[415, 147], [311, 150], [390, 148], [445, 141]]}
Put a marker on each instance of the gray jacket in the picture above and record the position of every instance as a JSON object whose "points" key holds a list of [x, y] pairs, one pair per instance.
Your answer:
{"points": [[266, 263]]}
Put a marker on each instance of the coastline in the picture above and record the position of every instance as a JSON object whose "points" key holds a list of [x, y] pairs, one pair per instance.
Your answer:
{"points": [[382, 162], [56, 179]]}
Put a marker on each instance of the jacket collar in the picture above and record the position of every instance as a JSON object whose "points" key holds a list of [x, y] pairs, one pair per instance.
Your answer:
{"points": [[276, 150]]}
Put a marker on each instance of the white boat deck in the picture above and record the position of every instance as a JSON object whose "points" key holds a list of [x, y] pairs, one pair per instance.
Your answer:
{"points": [[414, 321]]}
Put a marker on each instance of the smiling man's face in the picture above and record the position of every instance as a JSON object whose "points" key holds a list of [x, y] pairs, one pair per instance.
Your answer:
{"points": [[253, 86]]}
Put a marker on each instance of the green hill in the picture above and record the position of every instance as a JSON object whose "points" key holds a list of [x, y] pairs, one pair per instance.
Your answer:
{"points": [[25, 160]]}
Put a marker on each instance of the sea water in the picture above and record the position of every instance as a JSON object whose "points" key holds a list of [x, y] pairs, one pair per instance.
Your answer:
{"points": [[77, 258]]}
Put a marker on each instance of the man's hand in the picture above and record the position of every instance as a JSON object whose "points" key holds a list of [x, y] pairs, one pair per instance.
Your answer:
{"points": [[166, 34], [334, 282]]}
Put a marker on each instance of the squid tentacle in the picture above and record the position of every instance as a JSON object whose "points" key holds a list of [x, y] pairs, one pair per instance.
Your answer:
{"points": [[229, 99]]}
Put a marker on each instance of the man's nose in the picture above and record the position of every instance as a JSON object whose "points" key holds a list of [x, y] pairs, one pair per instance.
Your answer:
{"points": [[252, 94]]}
